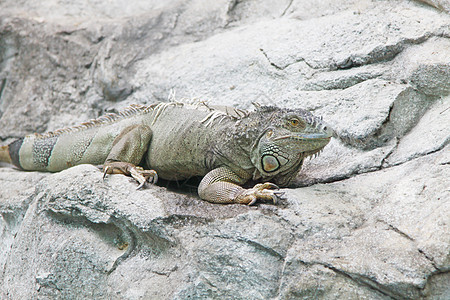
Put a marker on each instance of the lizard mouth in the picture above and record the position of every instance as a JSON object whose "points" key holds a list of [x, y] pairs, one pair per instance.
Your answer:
{"points": [[305, 137], [316, 141]]}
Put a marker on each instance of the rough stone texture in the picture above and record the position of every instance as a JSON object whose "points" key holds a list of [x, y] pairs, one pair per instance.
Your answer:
{"points": [[439, 4], [368, 219]]}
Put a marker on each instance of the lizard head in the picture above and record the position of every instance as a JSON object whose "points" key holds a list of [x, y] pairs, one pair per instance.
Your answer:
{"points": [[289, 136]]}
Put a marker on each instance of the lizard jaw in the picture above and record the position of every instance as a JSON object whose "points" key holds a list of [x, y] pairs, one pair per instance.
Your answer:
{"points": [[311, 154]]}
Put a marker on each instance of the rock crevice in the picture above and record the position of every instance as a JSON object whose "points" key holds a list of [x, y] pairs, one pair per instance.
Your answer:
{"points": [[366, 219]]}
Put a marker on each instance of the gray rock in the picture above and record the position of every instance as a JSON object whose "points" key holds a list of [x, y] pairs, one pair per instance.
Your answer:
{"points": [[366, 219], [418, 64], [428, 136], [374, 229]]}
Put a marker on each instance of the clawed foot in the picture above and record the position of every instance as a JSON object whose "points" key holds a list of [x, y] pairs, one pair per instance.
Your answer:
{"points": [[139, 174], [261, 191]]}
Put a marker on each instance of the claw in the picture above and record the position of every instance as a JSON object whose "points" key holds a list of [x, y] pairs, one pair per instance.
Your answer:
{"points": [[150, 176], [261, 191], [270, 185], [267, 185], [252, 202], [154, 178], [274, 199], [105, 172], [280, 195], [139, 174], [141, 185]]}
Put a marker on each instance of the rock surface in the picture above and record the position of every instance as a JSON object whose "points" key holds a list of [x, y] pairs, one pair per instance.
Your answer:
{"points": [[368, 219]]}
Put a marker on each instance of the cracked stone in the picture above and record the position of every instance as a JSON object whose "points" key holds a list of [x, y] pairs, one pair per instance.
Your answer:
{"points": [[366, 219], [426, 67], [428, 136], [395, 212]]}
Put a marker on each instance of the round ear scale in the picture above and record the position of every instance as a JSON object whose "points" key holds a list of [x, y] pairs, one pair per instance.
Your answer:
{"points": [[270, 163]]}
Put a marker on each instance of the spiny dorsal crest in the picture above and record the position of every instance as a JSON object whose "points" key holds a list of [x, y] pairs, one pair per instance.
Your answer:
{"points": [[217, 113], [134, 109]]}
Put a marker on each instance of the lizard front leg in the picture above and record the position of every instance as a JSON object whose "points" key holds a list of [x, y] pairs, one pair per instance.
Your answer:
{"points": [[127, 151], [221, 185]]}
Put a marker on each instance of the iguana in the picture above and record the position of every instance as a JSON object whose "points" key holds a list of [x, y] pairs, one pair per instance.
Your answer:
{"points": [[176, 141]]}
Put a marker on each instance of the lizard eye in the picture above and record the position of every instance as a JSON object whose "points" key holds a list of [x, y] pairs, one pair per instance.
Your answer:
{"points": [[294, 122]]}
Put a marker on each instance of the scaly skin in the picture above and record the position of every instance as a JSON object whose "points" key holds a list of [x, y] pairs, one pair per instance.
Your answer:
{"points": [[176, 141]]}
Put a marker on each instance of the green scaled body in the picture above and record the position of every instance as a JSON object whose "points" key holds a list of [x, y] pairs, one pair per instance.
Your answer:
{"points": [[226, 145]]}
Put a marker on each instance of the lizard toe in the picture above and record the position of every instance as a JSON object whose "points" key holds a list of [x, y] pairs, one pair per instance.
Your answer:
{"points": [[261, 191], [278, 196], [150, 175], [141, 185], [266, 185], [139, 174]]}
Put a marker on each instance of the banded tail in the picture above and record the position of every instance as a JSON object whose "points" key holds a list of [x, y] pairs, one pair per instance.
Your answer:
{"points": [[4, 154], [10, 153]]}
